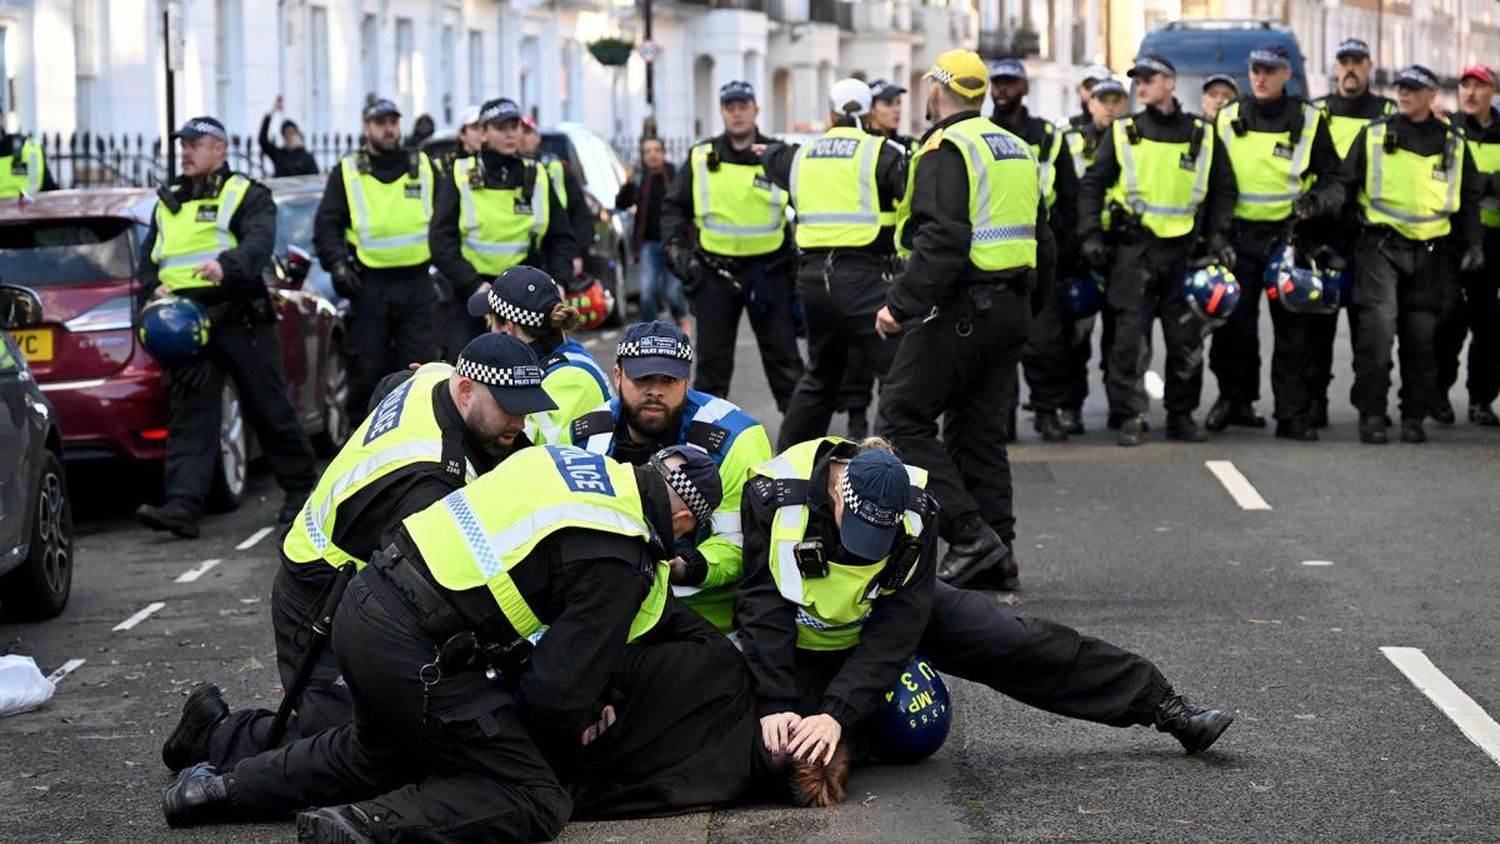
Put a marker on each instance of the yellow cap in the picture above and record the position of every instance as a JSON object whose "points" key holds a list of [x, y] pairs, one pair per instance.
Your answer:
{"points": [[956, 65]]}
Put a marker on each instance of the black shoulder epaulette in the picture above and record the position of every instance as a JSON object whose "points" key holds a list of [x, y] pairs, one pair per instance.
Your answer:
{"points": [[528, 180], [453, 459], [591, 423], [707, 436], [554, 359], [778, 492]]}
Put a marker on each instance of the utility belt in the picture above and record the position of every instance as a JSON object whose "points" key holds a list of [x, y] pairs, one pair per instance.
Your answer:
{"points": [[1390, 237], [884, 260], [409, 593]]}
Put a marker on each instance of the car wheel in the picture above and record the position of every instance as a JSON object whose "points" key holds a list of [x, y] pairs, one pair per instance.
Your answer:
{"points": [[234, 453], [619, 307], [40, 587], [336, 422]]}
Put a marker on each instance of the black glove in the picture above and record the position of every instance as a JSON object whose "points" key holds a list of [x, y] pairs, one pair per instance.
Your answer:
{"points": [[1095, 253], [1220, 249], [1473, 260], [684, 263], [1306, 207], [346, 281]]}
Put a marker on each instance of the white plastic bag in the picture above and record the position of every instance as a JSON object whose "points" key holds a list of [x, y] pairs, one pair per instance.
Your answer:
{"points": [[22, 685]]}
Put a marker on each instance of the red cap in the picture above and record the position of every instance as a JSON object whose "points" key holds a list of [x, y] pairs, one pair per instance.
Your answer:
{"points": [[529, 122], [1483, 72]]}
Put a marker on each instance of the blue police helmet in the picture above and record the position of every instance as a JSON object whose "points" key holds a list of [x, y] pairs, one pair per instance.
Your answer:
{"points": [[173, 328], [1212, 292], [1303, 282], [1084, 294], [913, 721]]}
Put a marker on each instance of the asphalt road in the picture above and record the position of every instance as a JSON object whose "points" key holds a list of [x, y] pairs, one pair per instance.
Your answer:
{"points": [[1144, 547]]}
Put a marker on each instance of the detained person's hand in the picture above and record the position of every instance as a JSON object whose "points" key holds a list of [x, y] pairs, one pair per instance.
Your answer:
{"points": [[885, 324], [595, 730], [776, 732], [815, 738]]}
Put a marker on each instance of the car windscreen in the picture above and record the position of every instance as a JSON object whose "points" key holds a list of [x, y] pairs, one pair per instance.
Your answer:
{"points": [[75, 251], [294, 222]]}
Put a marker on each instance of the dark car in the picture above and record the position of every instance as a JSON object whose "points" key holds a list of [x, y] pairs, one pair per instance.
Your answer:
{"points": [[1199, 48], [36, 523], [78, 250], [601, 173]]}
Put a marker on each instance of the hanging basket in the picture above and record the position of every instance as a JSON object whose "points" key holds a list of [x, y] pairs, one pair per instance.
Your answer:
{"points": [[611, 52]]}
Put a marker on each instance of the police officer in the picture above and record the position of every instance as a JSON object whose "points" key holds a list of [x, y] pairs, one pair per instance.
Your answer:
{"points": [[1348, 109], [370, 234], [209, 240], [845, 187], [524, 302], [437, 429], [1044, 362], [480, 645], [564, 181], [1285, 167], [884, 117], [1478, 316], [962, 308], [1419, 195], [497, 209], [456, 327], [1092, 75], [724, 226], [654, 409], [23, 167], [1166, 183], [840, 552], [1219, 90]]}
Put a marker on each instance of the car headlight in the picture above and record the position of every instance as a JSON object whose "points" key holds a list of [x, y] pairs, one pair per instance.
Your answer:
{"points": [[109, 315]]}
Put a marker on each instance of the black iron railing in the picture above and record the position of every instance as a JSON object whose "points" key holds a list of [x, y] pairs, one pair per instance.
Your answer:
{"points": [[86, 160]]}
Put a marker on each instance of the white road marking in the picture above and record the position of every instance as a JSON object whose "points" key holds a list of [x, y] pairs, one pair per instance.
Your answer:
{"points": [[1317, 562], [610, 335], [1472, 720], [254, 538], [197, 571], [139, 617], [1237, 485], [67, 668], [1155, 387]]}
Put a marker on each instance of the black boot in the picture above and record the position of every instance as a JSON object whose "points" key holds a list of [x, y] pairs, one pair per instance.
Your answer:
{"points": [[979, 559], [334, 825], [1180, 426], [1132, 431], [200, 795], [1444, 415], [1372, 429], [1242, 414], [1218, 415], [201, 713], [1050, 426], [173, 516], [1483, 414], [1296, 429], [1412, 432], [1195, 726], [1318, 418], [1118, 420], [1072, 420]]}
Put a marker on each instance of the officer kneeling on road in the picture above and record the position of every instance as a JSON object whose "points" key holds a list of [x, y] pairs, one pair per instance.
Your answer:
{"points": [[479, 647], [210, 237], [839, 592], [1419, 195], [435, 430]]}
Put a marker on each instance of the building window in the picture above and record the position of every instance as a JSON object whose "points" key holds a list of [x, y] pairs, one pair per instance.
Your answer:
{"points": [[227, 63], [318, 36], [369, 55], [476, 67], [530, 60], [447, 72], [405, 65]]}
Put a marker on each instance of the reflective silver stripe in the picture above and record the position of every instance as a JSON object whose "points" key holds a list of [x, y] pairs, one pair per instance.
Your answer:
{"points": [[34, 167], [705, 205], [469, 217], [788, 575], [686, 591], [320, 539], [981, 177], [420, 450], [356, 191], [1133, 196], [549, 428], [393, 241], [714, 410], [838, 219], [726, 526], [1300, 155], [592, 366], [483, 248], [490, 550], [779, 467], [1004, 233], [1377, 178]]}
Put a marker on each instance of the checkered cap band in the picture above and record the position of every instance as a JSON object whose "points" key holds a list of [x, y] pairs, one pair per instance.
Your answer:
{"points": [[1148, 63], [654, 347], [940, 75], [868, 511], [524, 375], [1269, 58], [686, 490], [1353, 46], [514, 313]]}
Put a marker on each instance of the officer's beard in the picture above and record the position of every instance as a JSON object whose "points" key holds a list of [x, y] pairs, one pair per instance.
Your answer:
{"points": [[1351, 85], [487, 435], [1007, 108], [658, 430]]}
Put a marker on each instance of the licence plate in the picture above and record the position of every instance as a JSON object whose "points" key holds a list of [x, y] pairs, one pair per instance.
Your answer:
{"points": [[34, 343]]}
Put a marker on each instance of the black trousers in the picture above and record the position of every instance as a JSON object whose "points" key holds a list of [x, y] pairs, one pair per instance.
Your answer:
{"points": [[1056, 358], [1234, 353], [296, 598], [1476, 317], [251, 355], [765, 290], [959, 366], [454, 327], [392, 322], [840, 300], [1402, 289], [1146, 285], [1040, 663], [1297, 376]]}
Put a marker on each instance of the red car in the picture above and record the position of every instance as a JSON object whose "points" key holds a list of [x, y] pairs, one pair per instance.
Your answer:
{"points": [[78, 250]]}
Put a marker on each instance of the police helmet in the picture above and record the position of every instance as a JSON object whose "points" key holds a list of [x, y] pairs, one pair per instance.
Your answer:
{"points": [[172, 328], [1306, 282], [592, 301], [913, 721], [1212, 293], [1084, 294]]}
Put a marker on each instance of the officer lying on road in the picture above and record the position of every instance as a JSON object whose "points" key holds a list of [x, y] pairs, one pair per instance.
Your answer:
{"points": [[524, 302], [437, 429], [655, 409], [840, 591], [479, 646]]}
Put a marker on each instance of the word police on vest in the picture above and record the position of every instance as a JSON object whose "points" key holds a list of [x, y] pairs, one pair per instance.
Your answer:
{"points": [[582, 471], [834, 148], [1005, 147], [510, 369]]}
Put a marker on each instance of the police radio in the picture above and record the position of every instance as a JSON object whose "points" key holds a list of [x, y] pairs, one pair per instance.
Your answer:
{"points": [[810, 558]]}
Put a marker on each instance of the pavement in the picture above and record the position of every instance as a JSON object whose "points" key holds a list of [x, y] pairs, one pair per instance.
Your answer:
{"points": [[1277, 614]]}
